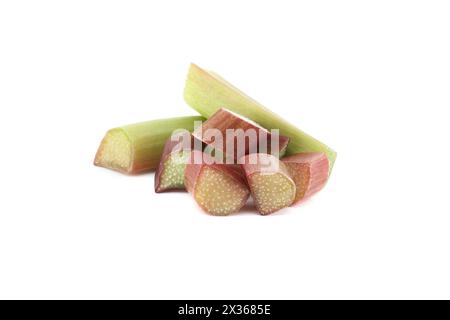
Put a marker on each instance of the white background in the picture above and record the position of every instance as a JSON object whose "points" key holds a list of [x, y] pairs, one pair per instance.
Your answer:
{"points": [[369, 78]]}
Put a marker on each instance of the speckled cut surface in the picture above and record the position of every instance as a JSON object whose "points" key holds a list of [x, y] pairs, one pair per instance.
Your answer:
{"points": [[271, 192], [218, 193], [173, 175], [115, 151]]}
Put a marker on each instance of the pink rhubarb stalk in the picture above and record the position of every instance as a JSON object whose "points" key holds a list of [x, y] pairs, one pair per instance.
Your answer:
{"points": [[235, 136], [309, 172]]}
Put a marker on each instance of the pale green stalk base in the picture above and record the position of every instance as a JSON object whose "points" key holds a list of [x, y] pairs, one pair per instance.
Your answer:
{"points": [[137, 148], [207, 92]]}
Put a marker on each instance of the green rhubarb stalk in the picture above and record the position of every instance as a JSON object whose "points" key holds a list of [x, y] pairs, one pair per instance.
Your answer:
{"points": [[207, 92], [137, 148]]}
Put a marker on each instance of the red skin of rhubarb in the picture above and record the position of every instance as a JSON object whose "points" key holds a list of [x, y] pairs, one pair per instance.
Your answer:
{"points": [[193, 171], [170, 147], [224, 119], [312, 169], [264, 164]]}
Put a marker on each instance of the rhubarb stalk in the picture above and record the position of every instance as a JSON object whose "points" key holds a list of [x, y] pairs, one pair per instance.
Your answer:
{"points": [[138, 147], [236, 136], [207, 92], [309, 172]]}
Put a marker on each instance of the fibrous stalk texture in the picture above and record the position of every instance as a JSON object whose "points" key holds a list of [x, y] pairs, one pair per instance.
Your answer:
{"points": [[137, 148], [309, 172], [207, 92], [235, 136]]}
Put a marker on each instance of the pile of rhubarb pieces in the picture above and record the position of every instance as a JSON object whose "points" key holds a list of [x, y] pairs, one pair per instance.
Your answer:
{"points": [[272, 161]]}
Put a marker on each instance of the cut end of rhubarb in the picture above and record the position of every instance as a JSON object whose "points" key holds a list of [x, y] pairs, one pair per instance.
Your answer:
{"points": [[270, 183], [172, 176], [218, 189], [271, 192], [170, 172], [309, 172], [115, 151], [219, 193]]}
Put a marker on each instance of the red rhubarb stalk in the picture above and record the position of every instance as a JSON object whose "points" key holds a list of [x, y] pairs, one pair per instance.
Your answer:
{"points": [[309, 172], [235, 136]]}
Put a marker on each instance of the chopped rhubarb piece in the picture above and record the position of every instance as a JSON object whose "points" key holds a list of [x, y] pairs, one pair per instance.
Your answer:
{"points": [[137, 148], [170, 172], [271, 186], [219, 189], [206, 92], [236, 136], [309, 172]]}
